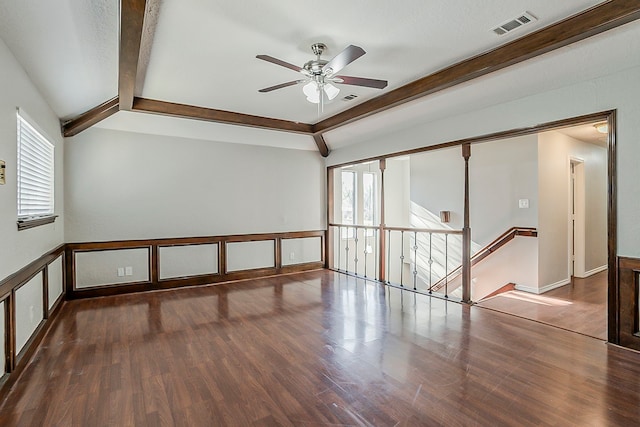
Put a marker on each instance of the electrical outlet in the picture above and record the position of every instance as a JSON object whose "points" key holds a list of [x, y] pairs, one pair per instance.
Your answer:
{"points": [[523, 203], [292, 256], [120, 271], [128, 271]]}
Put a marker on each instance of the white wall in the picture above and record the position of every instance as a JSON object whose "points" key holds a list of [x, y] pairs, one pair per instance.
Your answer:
{"points": [[619, 90], [397, 192], [437, 183], [124, 185], [555, 153], [500, 173], [19, 248], [516, 263]]}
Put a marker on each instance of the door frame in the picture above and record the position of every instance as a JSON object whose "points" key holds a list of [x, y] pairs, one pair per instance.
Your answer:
{"points": [[577, 226]]}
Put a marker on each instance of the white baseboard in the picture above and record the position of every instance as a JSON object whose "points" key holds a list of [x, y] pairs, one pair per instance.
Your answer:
{"points": [[547, 288], [594, 271], [527, 289], [544, 288]]}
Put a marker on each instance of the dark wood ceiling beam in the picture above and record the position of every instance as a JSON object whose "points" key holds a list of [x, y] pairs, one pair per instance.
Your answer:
{"points": [[594, 21], [131, 25], [85, 120], [151, 15], [218, 116], [322, 145]]}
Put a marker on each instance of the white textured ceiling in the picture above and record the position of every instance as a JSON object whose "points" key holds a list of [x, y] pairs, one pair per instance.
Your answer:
{"points": [[203, 53], [69, 49], [586, 133], [204, 50]]}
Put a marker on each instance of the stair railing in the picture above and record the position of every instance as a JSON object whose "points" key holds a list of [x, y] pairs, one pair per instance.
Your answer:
{"points": [[484, 252], [413, 258]]}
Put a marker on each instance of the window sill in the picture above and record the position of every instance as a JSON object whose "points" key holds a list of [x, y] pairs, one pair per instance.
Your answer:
{"points": [[26, 223]]}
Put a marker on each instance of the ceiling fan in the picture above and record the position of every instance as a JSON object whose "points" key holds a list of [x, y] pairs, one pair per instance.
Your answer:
{"points": [[320, 75]]}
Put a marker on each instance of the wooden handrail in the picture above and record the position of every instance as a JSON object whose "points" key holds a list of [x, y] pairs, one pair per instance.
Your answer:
{"points": [[424, 230], [363, 227], [487, 250], [408, 229]]}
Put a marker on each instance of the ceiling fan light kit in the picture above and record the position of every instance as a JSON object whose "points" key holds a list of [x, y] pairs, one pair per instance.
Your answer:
{"points": [[312, 90], [320, 75]]}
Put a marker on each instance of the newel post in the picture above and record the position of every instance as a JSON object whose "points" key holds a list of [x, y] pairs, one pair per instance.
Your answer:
{"points": [[466, 231], [382, 273], [330, 235]]}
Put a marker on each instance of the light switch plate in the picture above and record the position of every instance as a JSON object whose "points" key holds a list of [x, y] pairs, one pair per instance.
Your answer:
{"points": [[128, 271], [120, 271]]}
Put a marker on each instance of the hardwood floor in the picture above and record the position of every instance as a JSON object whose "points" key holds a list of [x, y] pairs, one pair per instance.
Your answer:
{"points": [[580, 306], [311, 349]]}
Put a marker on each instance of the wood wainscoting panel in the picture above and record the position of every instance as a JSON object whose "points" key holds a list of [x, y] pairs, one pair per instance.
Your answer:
{"points": [[112, 267], [301, 250], [55, 281], [229, 265], [629, 304], [28, 309], [251, 255], [187, 260]]}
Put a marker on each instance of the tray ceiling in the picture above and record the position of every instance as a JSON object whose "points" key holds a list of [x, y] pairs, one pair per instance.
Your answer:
{"points": [[202, 53]]}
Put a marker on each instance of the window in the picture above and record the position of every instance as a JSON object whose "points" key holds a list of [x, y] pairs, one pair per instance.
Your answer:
{"points": [[348, 197], [369, 198], [35, 175], [358, 204]]}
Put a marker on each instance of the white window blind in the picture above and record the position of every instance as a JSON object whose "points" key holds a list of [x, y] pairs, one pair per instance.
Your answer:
{"points": [[35, 172]]}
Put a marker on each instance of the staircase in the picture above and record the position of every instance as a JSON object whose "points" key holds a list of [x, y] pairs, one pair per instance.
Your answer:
{"points": [[449, 282]]}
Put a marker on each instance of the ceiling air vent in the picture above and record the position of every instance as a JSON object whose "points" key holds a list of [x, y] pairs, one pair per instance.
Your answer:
{"points": [[349, 97], [518, 22]]}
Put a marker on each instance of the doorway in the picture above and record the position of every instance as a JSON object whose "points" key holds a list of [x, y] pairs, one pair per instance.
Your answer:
{"points": [[571, 291]]}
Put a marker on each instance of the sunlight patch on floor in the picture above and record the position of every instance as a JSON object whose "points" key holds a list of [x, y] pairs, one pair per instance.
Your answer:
{"points": [[536, 299]]}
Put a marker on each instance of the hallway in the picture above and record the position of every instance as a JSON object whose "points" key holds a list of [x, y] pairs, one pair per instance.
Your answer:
{"points": [[580, 306]]}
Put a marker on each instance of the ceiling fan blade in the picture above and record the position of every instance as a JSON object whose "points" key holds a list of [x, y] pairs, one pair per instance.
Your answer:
{"points": [[279, 62], [361, 81], [344, 58], [281, 85]]}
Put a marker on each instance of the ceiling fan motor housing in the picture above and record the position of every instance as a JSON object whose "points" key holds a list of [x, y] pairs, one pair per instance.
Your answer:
{"points": [[315, 66]]}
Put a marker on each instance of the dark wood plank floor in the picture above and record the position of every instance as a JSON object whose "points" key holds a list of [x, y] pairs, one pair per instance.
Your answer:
{"points": [[580, 306], [312, 349]]}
